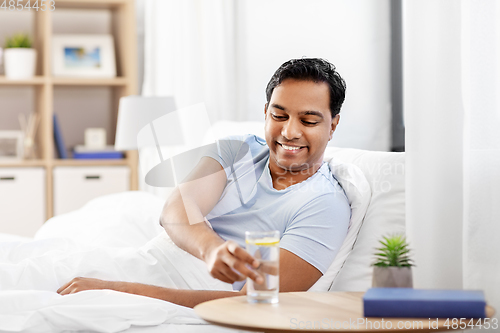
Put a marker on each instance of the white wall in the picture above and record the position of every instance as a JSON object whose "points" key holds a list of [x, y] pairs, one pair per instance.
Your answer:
{"points": [[352, 34]]}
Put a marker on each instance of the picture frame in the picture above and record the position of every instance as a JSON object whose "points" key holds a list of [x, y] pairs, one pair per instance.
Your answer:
{"points": [[11, 145], [83, 56]]}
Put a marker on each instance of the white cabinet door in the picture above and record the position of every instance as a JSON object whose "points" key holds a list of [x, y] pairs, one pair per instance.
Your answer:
{"points": [[75, 186], [22, 200]]}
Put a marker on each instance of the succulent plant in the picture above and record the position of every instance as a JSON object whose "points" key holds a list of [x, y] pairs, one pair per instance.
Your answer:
{"points": [[394, 252], [18, 40]]}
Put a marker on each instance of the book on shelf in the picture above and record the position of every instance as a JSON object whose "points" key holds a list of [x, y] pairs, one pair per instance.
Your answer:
{"points": [[58, 139], [108, 152], [424, 303]]}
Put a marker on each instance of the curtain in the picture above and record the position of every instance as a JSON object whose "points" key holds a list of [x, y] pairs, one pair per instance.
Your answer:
{"points": [[452, 111], [223, 53], [189, 53]]}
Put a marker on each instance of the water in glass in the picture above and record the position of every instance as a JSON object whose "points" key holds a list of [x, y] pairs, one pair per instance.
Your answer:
{"points": [[264, 246]]}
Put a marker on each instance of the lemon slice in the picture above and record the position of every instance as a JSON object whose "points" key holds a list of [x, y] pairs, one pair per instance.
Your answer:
{"points": [[265, 241]]}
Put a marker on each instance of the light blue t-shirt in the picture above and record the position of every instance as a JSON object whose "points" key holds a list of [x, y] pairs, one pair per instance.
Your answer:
{"points": [[312, 216]]}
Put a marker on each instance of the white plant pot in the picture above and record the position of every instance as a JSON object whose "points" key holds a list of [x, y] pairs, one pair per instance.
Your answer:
{"points": [[392, 277], [20, 63]]}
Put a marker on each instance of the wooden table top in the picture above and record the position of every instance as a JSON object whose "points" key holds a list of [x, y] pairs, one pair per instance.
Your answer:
{"points": [[311, 312]]}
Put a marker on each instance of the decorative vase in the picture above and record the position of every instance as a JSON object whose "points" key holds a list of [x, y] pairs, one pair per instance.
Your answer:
{"points": [[392, 277], [20, 63]]}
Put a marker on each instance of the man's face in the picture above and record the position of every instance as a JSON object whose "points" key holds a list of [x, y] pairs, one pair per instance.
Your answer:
{"points": [[299, 125]]}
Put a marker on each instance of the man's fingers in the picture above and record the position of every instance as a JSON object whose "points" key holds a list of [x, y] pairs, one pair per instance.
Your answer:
{"points": [[232, 275], [242, 269], [80, 284], [63, 287], [218, 275], [66, 285], [242, 254], [226, 267], [224, 271], [65, 291], [232, 263]]}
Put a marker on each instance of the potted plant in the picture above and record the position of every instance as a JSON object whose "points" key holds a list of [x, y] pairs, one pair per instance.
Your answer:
{"points": [[392, 266], [20, 58]]}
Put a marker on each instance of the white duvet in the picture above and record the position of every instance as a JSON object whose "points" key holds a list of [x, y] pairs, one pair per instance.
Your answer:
{"points": [[114, 238]]}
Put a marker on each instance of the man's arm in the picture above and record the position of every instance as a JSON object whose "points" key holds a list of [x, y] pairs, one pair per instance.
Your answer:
{"points": [[184, 297], [183, 218], [296, 274]]}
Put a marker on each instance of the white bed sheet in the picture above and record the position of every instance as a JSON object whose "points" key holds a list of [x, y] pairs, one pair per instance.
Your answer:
{"points": [[109, 238]]}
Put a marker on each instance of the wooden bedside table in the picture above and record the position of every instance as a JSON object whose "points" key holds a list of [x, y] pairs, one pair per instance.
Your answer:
{"points": [[311, 312]]}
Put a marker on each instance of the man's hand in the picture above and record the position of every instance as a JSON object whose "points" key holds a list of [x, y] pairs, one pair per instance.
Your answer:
{"points": [[80, 284], [229, 263]]}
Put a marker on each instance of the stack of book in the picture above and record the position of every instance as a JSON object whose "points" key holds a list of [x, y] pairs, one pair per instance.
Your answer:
{"points": [[108, 152], [81, 151]]}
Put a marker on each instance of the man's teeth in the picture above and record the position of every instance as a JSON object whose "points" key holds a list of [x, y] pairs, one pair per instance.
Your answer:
{"points": [[289, 147]]}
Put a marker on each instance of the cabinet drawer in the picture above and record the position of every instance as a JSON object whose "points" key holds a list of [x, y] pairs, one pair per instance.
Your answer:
{"points": [[22, 200], [75, 186]]}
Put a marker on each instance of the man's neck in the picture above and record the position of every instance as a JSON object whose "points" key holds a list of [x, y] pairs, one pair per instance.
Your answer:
{"points": [[284, 178]]}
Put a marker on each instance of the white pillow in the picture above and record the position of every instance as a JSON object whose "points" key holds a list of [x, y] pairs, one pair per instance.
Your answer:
{"points": [[358, 192], [127, 219], [385, 173], [225, 128]]}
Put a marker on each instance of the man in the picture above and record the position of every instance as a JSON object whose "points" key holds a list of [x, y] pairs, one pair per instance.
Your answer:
{"points": [[284, 186]]}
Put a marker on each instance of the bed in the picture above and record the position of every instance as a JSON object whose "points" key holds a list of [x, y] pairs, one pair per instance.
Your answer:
{"points": [[112, 228]]}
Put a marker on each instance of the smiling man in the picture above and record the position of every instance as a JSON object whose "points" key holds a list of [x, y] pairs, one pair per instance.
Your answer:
{"points": [[282, 184], [299, 125]]}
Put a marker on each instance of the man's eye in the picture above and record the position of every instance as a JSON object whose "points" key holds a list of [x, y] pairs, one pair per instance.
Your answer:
{"points": [[310, 122], [278, 117]]}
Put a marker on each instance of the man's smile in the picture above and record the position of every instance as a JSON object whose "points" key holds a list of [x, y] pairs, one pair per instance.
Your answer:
{"points": [[291, 148]]}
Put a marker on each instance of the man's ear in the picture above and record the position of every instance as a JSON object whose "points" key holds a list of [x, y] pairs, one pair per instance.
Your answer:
{"points": [[265, 111], [335, 122]]}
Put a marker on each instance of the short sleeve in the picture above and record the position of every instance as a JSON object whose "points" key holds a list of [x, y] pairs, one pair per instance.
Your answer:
{"points": [[318, 230], [227, 151]]}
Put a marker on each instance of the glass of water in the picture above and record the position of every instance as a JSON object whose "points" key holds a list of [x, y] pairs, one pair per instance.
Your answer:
{"points": [[264, 246]]}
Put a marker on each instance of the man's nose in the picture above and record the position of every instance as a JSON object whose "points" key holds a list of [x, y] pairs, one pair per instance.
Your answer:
{"points": [[291, 129]]}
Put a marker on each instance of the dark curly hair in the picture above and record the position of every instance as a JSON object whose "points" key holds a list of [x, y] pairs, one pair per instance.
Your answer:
{"points": [[313, 69]]}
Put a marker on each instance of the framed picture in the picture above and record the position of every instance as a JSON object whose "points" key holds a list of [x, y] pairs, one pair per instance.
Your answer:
{"points": [[83, 56], [11, 145]]}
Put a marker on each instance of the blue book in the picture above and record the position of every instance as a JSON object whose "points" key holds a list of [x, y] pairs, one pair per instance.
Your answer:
{"points": [[108, 152], [58, 139], [424, 303], [98, 155]]}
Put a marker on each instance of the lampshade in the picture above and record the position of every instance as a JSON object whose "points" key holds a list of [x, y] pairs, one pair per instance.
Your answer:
{"points": [[146, 123], [134, 113]]}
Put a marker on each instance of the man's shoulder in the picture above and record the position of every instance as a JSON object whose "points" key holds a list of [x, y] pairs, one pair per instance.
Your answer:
{"points": [[242, 145], [250, 139]]}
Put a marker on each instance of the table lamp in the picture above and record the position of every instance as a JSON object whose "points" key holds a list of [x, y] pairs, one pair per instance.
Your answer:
{"points": [[138, 115], [180, 138], [134, 113]]}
